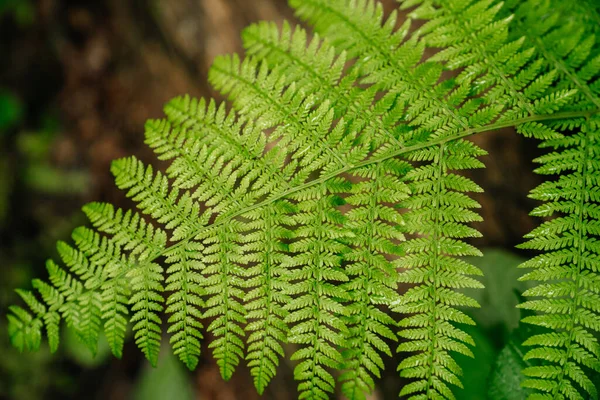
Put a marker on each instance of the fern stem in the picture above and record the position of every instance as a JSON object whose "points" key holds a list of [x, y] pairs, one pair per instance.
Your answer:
{"points": [[255, 226], [468, 132], [224, 218]]}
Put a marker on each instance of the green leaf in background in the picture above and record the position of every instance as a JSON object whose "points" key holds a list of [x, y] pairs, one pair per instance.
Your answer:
{"points": [[11, 110], [46, 179], [81, 354], [506, 378], [476, 370], [38, 173], [495, 372], [22, 11], [499, 300], [505, 382], [169, 380]]}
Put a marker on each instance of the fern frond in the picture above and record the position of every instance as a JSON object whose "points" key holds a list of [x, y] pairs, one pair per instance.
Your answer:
{"points": [[186, 302], [25, 330], [317, 68], [238, 143], [277, 219], [475, 39], [273, 103], [316, 312], [115, 298], [564, 43], [223, 284], [265, 250], [146, 304], [375, 237], [81, 296], [414, 86], [144, 242], [440, 210], [567, 303], [212, 162], [129, 229], [503, 74], [154, 197]]}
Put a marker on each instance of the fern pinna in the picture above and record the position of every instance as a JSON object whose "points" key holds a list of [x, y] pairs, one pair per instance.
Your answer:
{"points": [[324, 206]]}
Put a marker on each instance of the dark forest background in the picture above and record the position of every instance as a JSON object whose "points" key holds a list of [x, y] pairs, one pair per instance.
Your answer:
{"points": [[78, 79]]}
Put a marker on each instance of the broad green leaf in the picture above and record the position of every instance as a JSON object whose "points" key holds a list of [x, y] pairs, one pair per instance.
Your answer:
{"points": [[169, 380]]}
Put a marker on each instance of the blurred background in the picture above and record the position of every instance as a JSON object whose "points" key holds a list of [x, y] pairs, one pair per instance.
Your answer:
{"points": [[78, 79]]}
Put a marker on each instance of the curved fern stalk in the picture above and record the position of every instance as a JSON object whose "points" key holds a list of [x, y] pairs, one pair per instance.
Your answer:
{"points": [[439, 209], [233, 195], [568, 294]]}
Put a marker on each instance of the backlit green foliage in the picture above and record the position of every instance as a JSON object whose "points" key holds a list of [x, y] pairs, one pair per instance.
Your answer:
{"points": [[324, 205]]}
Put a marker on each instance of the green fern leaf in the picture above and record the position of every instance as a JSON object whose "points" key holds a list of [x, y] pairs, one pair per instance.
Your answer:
{"points": [[279, 217], [568, 303]]}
